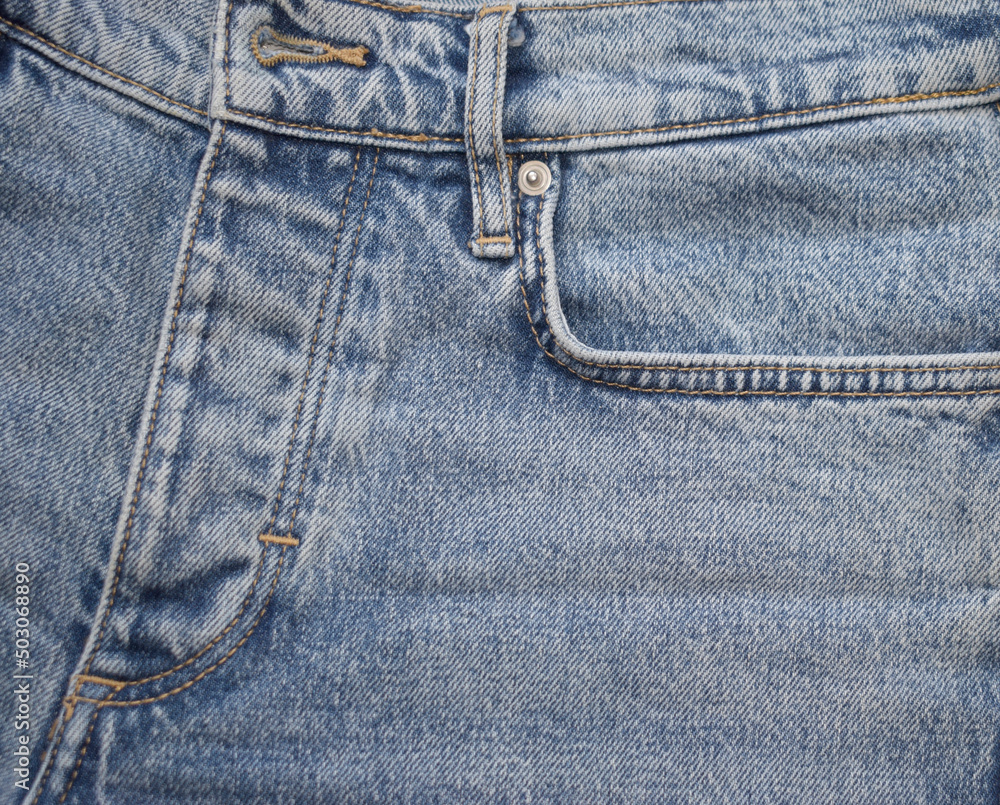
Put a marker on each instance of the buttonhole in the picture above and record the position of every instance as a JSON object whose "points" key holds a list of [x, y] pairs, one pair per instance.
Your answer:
{"points": [[270, 48]]}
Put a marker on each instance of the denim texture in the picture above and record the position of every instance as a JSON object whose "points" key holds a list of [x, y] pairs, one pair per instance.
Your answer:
{"points": [[686, 494]]}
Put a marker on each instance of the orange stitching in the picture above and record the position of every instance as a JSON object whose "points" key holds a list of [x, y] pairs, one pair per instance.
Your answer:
{"points": [[50, 760], [100, 680], [412, 9], [333, 342], [278, 539], [704, 392], [260, 564], [497, 239], [497, 135], [493, 9], [602, 5], [420, 138], [156, 405], [353, 55], [83, 750], [919, 96], [101, 703], [416, 138], [313, 343], [98, 67], [472, 137], [214, 640]]}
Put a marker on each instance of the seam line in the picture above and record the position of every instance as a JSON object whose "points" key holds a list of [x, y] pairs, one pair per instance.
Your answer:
{"points": [[313, 344], [333, 344], [414, 9], [83, 749], [101, 703], [472, 134], [497, 134], [913, 97], [690, 392], [273, 538], [159, 396], [106, 71]]}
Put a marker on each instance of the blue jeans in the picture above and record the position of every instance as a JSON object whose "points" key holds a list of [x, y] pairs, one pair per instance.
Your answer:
{"points": [[564, 402]]}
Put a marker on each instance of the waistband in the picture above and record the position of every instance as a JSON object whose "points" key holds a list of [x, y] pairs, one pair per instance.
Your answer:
{"points": [[579, 75]]}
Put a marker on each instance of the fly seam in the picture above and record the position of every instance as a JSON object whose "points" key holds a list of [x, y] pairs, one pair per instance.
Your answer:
{"points": [[333, 344], [312, 345], [107, 702], [201, 652], [156, 405], [253, 586]]}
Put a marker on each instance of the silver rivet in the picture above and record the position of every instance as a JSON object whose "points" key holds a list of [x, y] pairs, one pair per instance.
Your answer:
{"points": [[515, 37], [534, 178]]}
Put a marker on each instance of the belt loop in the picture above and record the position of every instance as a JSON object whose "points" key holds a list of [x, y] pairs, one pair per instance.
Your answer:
{"points": [[489, 171]]}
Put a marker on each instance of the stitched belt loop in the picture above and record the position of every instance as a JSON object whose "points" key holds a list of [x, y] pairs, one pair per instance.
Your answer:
{"points": [[489, 171]]}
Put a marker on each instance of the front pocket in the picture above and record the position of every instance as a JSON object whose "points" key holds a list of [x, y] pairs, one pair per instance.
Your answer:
{"points": [[852, 259]]}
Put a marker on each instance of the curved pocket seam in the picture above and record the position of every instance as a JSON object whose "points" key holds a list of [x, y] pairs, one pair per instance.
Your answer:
{"points": [[542, 279]]}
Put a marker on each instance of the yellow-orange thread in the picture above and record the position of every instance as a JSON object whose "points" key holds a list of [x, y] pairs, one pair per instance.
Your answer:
{"points": [[278, 539], [116, 76], [352, 55]]}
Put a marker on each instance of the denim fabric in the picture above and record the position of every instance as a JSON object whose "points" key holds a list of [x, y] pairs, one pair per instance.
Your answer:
{"points": [[688, 494]]}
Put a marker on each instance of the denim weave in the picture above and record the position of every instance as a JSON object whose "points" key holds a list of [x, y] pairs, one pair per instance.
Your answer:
{"points": [[685, 492]]}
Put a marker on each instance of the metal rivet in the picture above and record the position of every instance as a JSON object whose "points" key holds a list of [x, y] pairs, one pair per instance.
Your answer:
{"points": [[515, 37], [534, 178]]}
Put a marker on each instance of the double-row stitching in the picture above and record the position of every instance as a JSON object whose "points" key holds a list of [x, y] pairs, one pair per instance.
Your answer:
{"points": [[107, 702], [285, 544], [159, 396], [500, 77], [107, 72], [472, 113], [260, 564], [312, 348], [213, 642], [333, 344], [48, 761], [702, 392], [420, 138], [83, 749], [911, 98]]}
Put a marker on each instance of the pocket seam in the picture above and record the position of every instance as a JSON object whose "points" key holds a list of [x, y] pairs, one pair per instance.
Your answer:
{"points": [[715, 368]]}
